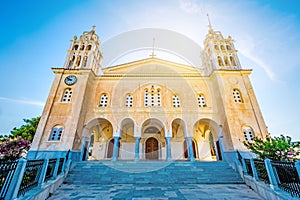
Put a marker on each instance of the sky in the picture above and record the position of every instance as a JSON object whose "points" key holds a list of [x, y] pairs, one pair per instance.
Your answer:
{"points": [[35, 36]]}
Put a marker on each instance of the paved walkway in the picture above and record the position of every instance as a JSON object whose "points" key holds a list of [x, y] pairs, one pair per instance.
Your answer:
{"points": [[155, 192]]}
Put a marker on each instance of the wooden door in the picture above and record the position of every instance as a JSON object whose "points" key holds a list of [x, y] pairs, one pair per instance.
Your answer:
{"points": [[152, 149], [110, 148]]}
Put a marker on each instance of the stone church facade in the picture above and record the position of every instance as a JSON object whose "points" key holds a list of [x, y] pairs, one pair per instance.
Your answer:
{"points": [[149, 109]]}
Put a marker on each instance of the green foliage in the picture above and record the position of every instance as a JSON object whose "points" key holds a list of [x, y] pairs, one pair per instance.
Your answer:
{"points": [[27, 130], [16, 145], [275, 148]]}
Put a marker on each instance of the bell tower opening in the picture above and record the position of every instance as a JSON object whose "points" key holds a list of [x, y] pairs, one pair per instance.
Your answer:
{"points": [[84, 53]]}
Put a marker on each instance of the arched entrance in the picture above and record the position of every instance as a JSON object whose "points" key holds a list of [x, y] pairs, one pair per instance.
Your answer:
{"points": [[99, 132], [206, 135], [153, 139], [185, 146], [127, 140], [178, 149], [151, 149]]}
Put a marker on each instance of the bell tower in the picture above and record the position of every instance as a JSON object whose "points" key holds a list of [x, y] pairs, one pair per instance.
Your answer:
{"points": [[218, 52], [84, 53]]}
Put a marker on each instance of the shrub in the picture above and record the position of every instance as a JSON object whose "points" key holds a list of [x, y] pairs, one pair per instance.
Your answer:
{"points": [[276, 148], [14, 149]]}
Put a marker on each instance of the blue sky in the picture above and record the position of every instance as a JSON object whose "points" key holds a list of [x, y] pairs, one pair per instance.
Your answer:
{"points": [[35, 36]]}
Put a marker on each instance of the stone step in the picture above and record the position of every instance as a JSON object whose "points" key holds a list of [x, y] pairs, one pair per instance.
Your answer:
{"points": [[149, 172]]}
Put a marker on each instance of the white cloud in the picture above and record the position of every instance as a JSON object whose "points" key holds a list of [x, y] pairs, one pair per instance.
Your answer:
{"points": [[21, 101], [247, 47], [189, 6]]}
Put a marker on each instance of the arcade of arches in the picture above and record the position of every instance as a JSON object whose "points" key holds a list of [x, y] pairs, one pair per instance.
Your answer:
{"points": [[153, 141]]}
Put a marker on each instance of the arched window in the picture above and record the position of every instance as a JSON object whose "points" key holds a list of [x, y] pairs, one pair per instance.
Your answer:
{"points": [[146, 98], [226, 61], [222, 47], [72, 59], [220, 61], [248, 134], [217, 47], [89, 47], [67, 95], [82, 47], [84, 61], [232, 61], [228, 47], [103, 100], [237, 96], [158, 97], [152, 97], [56, 133], [75, 47], [129, 100], [201, 100], [176, 101], [78, 61]]}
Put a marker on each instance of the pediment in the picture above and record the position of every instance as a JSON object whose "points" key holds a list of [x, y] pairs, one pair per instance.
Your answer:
{"points": [[151, 66]]}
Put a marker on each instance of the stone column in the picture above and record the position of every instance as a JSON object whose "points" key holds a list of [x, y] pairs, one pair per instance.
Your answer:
{"points": [[191, 156], [169, 155], [116, 149], [137, 149]]}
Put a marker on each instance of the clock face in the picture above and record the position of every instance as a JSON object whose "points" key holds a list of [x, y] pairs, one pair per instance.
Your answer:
{"points": [[70, 80]]}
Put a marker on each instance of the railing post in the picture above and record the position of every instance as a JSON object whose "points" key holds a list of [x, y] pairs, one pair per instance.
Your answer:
{"points": [[43, 172], [297, 165], [56, 168], [255, 176], [64, 165], [244, 166], [271, 174], [14, 186]]}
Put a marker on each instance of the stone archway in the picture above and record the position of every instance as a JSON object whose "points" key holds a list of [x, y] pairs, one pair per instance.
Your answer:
{"points": [[153, 139], [178, 148], [99, 131], [127, 140], [151, 149], [206, 136]]}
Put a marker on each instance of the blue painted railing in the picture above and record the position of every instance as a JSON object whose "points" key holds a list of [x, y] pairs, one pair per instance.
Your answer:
{"points": [[19, 177], [279, 175]]}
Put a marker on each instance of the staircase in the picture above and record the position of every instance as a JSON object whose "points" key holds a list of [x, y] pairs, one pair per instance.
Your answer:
{"points": [[151, 172]]}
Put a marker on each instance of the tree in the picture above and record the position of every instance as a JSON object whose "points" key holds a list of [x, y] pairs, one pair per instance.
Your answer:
{"points": [[27, 130], [275, 148], [16, 145]]}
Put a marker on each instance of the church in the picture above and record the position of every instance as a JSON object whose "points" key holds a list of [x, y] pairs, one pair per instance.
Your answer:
{"points": [[149, 109]]}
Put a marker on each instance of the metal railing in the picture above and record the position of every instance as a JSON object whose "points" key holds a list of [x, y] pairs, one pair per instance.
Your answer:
{"points": [[17, 178], [50, 169], [31, 177], [277, 174], [261, 170], [7, 171], [60, 166], [248, 167], [288, 177]]}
